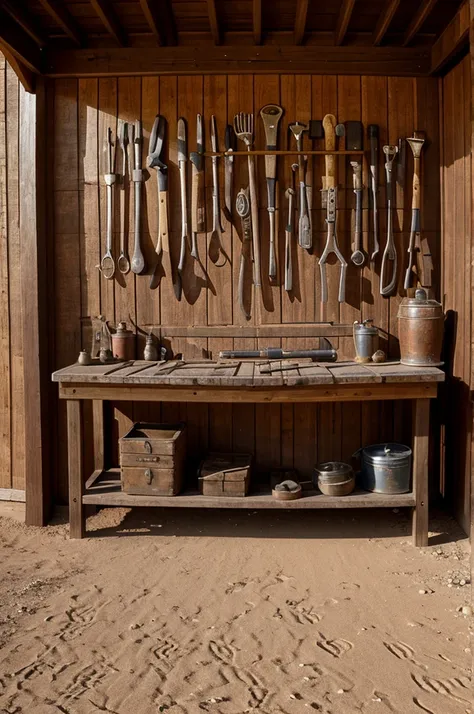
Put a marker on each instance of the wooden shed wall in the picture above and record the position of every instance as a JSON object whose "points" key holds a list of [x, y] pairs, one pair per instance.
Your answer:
{"points": [[457, 285], [80, 112], [12, 426]]}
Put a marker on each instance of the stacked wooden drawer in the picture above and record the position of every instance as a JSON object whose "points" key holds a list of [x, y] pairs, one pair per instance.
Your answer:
{"points": [[152, 459]]}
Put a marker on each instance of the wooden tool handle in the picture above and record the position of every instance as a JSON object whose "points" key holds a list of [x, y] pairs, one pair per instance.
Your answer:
{"points": [[164, 232], [329, 126], [197, 201], [255, 230], [416, 197]]}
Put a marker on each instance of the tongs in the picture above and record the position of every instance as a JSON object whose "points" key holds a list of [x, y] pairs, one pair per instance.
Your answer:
{"points": [[390, 252]]}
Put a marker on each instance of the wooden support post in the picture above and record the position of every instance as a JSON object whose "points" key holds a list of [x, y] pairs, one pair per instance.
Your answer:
{"points": [[34, 302], [420, 471], [77, 522], [98, 428]]}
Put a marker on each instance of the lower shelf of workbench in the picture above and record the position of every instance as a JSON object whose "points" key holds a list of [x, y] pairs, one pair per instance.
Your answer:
{"points": [[104, 489]]}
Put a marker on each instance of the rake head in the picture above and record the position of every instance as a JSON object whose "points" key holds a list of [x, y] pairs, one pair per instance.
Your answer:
{"points": [[243, 127]]}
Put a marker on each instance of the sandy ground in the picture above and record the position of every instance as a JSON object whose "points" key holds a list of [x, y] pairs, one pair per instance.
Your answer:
{"points": [[187, 612]]}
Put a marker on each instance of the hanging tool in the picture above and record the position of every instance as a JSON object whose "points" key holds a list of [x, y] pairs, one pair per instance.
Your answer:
{"points": [[215, 242], [289, 230], [390, 252], [182, 159], [374, 169], [330, 195], [304, 231], [418, 247], [155, 162], [271, 115], [243, 127], [107, 264], [197, 190], [329, 355], [358, 256], [228, 170], [401, 162], [123, 263], [138, 261], [242, 206]]}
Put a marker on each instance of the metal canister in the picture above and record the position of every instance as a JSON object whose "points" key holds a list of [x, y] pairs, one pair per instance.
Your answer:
{"points": [[150, 353], [334, 478], [386, 468], [123, 344], [420, 330], [366, 340]]}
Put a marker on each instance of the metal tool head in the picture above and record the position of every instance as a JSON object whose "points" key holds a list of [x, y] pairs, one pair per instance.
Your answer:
{"points": [[416, 145], [214, 143], [297, 129], [242, 203], [156, 143], [390, 151], [271, 115], [137, 132], [229, 139], [354, 135], [110, 151], [123, 134], [340, 130], [316, 130], [243, 127], [199, 134], [182, 146]]}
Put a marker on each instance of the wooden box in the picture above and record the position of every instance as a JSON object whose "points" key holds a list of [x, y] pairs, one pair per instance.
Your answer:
{"points": [[225, 475], [152, 459]]}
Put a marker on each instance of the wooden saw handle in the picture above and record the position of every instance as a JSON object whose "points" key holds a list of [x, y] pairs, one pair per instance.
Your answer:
{"points": [[329, 126], [197, 201]]}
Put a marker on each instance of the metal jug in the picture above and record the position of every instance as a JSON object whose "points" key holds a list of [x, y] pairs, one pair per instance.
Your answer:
{"points": [[366, 340], [420, 330], [386, 468]]}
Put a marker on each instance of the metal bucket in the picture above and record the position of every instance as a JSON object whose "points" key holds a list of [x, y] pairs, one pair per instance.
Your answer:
{"points": [[386, 468]]}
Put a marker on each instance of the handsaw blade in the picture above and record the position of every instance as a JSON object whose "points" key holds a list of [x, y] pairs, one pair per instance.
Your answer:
{"points": [[182, 147]]}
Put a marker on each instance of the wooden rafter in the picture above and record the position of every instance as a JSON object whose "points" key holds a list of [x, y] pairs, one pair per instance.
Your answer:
{"points": [[62, 17], [343, 21], [300, 21], [160, 18], [25, 75], [257, 21], [384, 21], [453, 39], [110, 21], [213, 21], [23, 18], [421, 16], [19, 44]]}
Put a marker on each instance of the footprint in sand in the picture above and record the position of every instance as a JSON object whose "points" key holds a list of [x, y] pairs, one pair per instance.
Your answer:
{"points": [[422, 706], [258, 693], [236, 587], [336, 648], [221, 651], [403, 651], [451, 688], [302, 615]]}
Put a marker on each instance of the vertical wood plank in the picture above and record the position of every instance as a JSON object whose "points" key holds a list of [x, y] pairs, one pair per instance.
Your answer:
{"points": [[420, 471], [77, 524]]}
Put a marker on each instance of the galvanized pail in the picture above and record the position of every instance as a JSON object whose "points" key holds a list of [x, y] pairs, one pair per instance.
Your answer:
{"points": [[386, 468]]}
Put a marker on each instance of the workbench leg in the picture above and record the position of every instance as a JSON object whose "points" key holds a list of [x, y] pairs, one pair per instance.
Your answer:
{"points": [[77, 521], [99, 434], [420, 471]]}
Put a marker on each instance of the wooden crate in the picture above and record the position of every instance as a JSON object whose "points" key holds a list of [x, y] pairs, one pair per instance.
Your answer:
{"points": [[225, 474], [152, 459]]}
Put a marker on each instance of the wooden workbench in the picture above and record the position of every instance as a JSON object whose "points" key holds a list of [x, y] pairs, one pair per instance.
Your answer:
{"points": [[245, 381]]}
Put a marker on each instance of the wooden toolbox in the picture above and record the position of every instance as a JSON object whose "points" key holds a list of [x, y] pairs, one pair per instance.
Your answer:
{"points": [[152, 459], [225, 475]]}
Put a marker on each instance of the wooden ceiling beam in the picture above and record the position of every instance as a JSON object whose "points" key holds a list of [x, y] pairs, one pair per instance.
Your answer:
{"points": [[238, 59], [300, 20], [452, 40], [110, 21], [257, 21], [421, 16], [19, 44], [384, 21], [213, 21], [160, 19], [25, 75], [343, 20], [57, 10], [23, 18]]}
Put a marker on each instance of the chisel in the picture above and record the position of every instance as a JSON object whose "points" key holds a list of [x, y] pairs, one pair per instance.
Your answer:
{"points": [[197, 189]]}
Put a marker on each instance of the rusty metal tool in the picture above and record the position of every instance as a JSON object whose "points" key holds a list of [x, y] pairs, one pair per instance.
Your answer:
{"points": [[289, 230], [243, 127], [390, 252], [107, 264], [216, 251], [374, 177], [358, 256], [330, 195], [271, 115], [229, 142], [304, 229], [182, 159], [123, 262], [198, 216], [242, 206], [329, 355], [416, 250]]}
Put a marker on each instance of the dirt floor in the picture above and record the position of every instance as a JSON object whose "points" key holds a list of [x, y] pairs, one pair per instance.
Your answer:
{"points": [[229, 612]]}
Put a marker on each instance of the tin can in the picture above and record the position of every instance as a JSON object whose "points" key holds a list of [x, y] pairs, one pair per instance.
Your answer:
{"points": [[420, 330], [334, 478], [386, 468], [366, 340], [123, 344]]}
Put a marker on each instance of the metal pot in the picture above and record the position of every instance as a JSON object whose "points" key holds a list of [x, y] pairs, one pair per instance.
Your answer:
{"points": [[366, 340], [420, 330], [334, 478], [386, 468]]}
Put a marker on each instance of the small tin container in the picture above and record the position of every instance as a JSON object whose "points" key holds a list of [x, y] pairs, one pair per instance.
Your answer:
{"points": [[420, 330], [334, 478], [366, 340], [150, 353], [123, 343]]}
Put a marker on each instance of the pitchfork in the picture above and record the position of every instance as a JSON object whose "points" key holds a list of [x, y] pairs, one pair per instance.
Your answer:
{"points": [[243, 127]]}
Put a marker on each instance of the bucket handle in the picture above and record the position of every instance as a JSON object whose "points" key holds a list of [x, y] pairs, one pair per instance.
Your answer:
{"points": [[356, 453]]}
